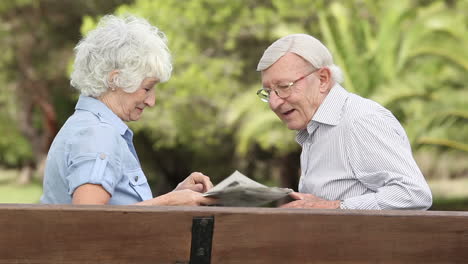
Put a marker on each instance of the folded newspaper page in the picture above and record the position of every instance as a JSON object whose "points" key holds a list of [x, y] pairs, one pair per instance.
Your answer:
{"points": [[239, 190]]}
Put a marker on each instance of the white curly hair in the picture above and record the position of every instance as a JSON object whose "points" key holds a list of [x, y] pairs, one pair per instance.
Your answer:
{"points": [[306, 46], [130, 45]]}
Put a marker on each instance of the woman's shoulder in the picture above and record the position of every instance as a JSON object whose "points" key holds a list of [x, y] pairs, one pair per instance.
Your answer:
{"points": [[86, 127], [83, 121], [90, 140]]}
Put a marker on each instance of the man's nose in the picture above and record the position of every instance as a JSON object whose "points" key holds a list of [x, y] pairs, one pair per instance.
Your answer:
{"points": [[275, 101]]}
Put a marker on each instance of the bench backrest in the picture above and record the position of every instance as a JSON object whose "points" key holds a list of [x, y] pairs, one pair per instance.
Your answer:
{"points": [[134, 234]]}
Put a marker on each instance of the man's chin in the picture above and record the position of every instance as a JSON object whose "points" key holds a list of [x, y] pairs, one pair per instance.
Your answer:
{"points": [[294, 126]]}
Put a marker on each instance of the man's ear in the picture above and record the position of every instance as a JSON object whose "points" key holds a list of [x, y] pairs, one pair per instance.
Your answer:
{"points": [[111, 79], [325, 79]]}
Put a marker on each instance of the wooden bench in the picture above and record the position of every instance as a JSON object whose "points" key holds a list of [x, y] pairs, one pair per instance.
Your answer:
{"points": [[133, 234]]}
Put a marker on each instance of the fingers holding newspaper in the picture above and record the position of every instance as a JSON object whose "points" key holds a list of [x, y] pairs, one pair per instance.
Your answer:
{"points": [[304, 200], [188, 192], [197, 182]]}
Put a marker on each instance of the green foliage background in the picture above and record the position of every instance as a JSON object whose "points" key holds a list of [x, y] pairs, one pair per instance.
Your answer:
{"points": [[408, 55]]}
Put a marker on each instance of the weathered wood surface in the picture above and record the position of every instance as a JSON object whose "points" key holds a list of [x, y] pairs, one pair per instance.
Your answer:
{"points": [[134, 234]]}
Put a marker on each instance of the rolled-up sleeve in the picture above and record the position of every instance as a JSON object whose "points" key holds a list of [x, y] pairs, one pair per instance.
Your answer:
{"points": [[94, 158], [380, 156]]}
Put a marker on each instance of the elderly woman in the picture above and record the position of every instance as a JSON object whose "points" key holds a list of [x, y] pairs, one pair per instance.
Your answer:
{"points": [[92, 159]]}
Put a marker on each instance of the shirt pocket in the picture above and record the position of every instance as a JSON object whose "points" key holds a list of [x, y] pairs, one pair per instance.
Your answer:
{"points": [[138, 182]]}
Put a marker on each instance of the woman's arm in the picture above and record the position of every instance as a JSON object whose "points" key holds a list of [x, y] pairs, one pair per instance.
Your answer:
{"points": [[96, 194], [184, 197], [90, 194]]}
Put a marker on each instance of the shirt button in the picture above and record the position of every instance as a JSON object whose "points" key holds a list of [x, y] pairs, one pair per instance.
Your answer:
{"points": [[102, 156], [136, 178]]}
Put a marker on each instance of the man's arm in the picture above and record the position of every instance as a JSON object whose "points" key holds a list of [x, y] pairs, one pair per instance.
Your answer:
{"points": [[380, 156]]}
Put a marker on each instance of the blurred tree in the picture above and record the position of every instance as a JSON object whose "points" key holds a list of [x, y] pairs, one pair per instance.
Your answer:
{"points": [[216, 45], [407, 55], [412, 59], [37, 42], [208, 115]]}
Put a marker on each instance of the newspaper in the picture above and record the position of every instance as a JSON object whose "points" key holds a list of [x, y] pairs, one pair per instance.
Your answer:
{"points": [[239, 190]]}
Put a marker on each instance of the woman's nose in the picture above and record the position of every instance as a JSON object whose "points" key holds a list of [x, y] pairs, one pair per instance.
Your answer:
{"points": [[151, 99]]}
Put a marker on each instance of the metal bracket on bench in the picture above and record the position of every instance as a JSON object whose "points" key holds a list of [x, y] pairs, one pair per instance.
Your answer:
{"points": [[202, 235]]}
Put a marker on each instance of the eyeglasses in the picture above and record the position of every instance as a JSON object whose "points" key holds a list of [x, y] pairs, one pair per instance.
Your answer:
{"points": [[281, 90]]}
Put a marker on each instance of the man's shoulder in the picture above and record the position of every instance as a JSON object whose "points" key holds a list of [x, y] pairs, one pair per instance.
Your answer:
{"points": [[367, 114], [359, 108]]}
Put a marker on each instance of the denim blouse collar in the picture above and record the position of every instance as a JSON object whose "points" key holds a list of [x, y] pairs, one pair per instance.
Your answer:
{"points": [[103, 112]]}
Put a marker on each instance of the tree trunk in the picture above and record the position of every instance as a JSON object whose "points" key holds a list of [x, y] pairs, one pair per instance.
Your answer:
{"points": [[290, 170], [25, 175], [33, 94]]}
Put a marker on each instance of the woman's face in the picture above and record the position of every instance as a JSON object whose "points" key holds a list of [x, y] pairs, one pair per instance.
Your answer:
{"points": [[130, 106]]}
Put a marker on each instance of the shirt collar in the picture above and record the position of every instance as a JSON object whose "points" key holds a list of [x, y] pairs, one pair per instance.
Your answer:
{"points": [[98, 108], [331, 109], [329, 112]]}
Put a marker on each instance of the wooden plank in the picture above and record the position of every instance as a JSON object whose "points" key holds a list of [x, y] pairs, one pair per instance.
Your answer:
{"points": [[93, 235], [133, 234], [244, 238]]}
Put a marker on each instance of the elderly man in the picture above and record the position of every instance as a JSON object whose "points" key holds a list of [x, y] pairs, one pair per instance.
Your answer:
{"points": [[355, 154]]}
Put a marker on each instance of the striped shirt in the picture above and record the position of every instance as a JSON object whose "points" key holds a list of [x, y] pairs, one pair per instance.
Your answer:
{"points": [[356, 151]]}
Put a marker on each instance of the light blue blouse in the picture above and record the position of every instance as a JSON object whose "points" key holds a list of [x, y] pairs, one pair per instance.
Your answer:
{"points": [[94, 146]]}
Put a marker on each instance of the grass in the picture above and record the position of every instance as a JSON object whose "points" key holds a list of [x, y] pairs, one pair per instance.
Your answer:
{"points": [[10, 192], [450, 195], [454, 204], [449, 189]]}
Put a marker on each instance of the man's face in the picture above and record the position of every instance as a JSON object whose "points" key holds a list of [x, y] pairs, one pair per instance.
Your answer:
{"points": [[297, 109]]}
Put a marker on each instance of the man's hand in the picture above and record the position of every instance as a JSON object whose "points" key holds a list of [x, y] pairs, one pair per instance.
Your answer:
{"points": [[305, 200], [196, 182]]}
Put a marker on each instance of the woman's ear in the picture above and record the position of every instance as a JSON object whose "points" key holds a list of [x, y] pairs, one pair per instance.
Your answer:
{"points": [[325, 79], [111, 80]]}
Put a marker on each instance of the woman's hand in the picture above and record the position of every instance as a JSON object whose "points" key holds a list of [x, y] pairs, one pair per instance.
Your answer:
{"points": [[196, 182], [182, 197]]}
